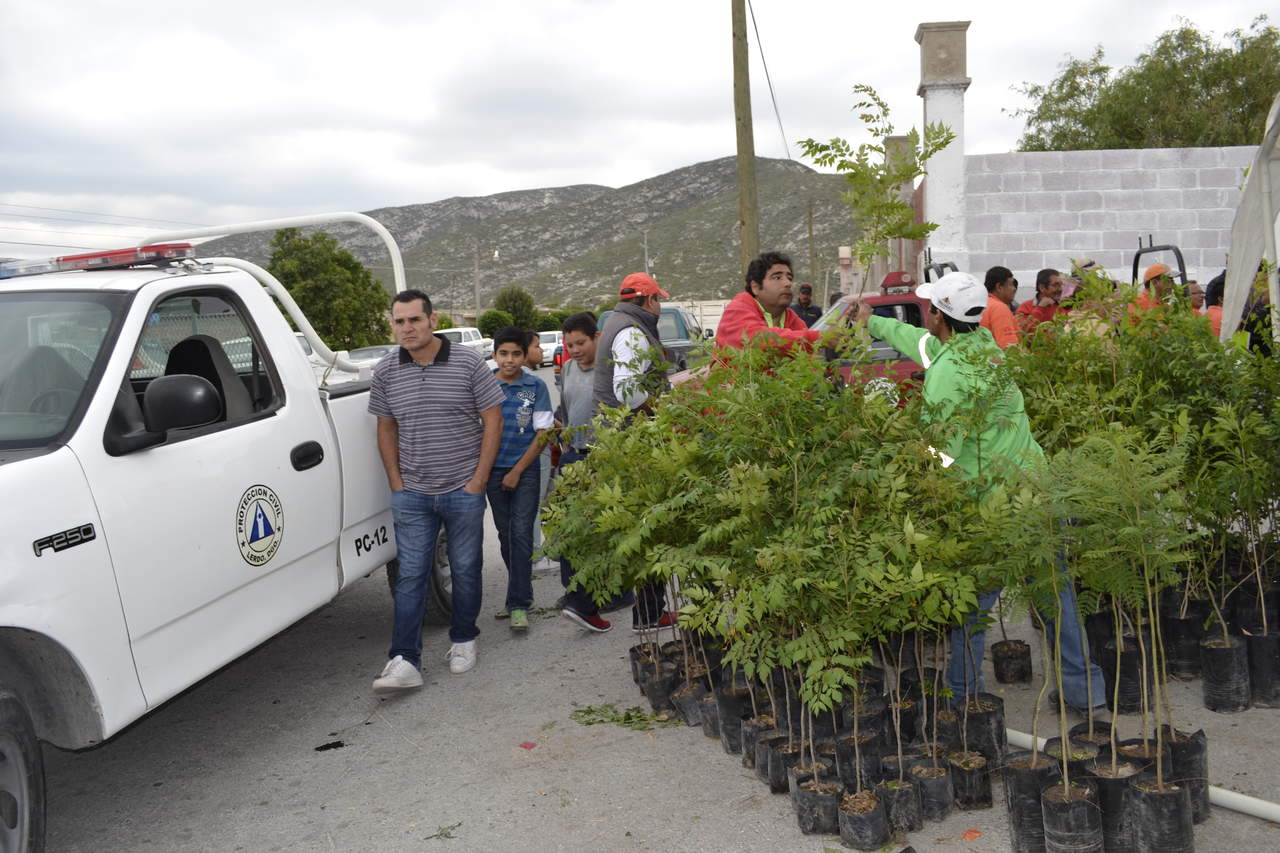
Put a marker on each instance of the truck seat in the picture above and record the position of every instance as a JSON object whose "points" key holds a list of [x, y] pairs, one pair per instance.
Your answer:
{"points": [[203, 356]]}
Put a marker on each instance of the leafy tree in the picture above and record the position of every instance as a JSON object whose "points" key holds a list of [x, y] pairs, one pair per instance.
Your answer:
{"points": [[876, 176], [518, 304], [1185, 90], [551, 321], [342, 299], [492, 321], [444, 322]]}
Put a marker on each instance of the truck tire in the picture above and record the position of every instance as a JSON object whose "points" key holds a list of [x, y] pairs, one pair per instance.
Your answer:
{"points": [[21, 780], [439, 609]]}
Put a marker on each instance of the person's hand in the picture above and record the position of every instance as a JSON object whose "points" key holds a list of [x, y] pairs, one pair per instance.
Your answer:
{"points": [[396, 484], [859, 312], [1046, 301], [510, 480], [474, 487]]}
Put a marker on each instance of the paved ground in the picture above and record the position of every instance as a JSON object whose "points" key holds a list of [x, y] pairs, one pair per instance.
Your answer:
{"points": [[233, 763]]}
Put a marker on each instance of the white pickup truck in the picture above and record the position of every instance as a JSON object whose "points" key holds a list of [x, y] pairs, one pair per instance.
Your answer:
{"points": [[177, 490]]}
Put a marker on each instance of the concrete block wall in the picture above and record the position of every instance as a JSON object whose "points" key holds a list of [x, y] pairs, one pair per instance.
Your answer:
{"points": [[1030, 210]]}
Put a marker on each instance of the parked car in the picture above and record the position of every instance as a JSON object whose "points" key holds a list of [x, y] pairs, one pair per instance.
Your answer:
{"points": [[469, 336], [372, 354], [550, 341], [558, 357], [680, 335]]}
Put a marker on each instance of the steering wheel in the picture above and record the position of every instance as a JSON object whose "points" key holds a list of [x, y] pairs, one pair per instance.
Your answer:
{"points": [[54, 401]]}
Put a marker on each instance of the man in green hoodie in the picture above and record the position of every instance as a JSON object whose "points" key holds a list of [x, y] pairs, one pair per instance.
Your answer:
{"points": [[959, 357]]}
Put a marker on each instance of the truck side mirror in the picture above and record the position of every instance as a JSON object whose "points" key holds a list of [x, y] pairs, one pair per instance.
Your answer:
{"points": [[708, 333], [180, 401]]}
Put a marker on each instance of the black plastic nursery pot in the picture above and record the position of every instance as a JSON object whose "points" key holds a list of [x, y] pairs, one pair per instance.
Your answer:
{"points": [[1224, 678], [1023, 785], [870, 750], [970, 780], [1144, 754], [735, 706], [1190, 755], [1099, 629], [752, 729], [804, 771], [1161, 818], [1111, 785], [1129, 674], [871, 681], [773, 756], [1072, 819], [1182, 635], [863, 822], [947, 728], [1079, 755], [1012, 661], [986, 731], [818, 806], [893, 767], [907, 722], [641, 656], [937, 798], [902, 804], [710, 714], [870, 712], [687, 699], [657, 687], [1101, 733], [1264, 669]]}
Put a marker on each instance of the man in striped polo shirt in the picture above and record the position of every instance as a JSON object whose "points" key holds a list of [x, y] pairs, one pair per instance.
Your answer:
{"points": [[439, 413]]}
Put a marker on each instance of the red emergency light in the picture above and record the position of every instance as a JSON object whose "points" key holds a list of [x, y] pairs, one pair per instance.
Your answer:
{"points": [[159, 253]]}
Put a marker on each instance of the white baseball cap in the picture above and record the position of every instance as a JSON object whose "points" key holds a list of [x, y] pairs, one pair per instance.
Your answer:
{"points": [[958, 295]]}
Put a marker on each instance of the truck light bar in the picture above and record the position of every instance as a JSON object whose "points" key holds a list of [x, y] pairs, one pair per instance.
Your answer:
{"points": [[159, 253]]}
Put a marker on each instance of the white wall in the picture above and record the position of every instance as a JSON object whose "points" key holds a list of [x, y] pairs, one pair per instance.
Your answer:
{"points": [[1030, 210]]}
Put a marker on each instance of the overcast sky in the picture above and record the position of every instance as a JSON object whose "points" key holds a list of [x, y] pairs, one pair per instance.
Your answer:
{"points": [[207, 112]]}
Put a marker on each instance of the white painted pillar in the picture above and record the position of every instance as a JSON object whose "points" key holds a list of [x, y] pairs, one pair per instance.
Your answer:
{"points": [[942, 86]]}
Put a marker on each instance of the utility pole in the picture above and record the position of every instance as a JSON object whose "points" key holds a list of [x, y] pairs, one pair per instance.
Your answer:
{"points": [[476, 280], [748, 212], [646, 252], [813, 263]]}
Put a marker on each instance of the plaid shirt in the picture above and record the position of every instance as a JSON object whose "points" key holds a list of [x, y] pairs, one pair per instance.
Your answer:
{"points": [[526, 409]]}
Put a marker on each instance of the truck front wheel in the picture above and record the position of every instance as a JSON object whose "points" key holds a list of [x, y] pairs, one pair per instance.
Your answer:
{"points": [[439, 608], [21, 780]]}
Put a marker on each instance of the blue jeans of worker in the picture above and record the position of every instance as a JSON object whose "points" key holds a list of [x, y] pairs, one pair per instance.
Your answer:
{"points": [[513, 514], [966, 665], [418, 519]]}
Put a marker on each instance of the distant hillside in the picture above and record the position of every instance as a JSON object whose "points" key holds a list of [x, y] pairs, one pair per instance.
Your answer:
{"points": [[572, 245]]}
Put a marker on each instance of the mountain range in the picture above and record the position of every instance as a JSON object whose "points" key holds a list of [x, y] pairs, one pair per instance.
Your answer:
{"points": [[570, 246]]}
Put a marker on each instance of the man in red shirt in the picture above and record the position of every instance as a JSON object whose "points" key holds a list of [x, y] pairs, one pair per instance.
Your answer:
{"points": [[763, 308], [998, 318], [1045, 306]]}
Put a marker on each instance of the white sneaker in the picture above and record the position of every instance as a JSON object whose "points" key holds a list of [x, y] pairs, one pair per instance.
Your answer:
{"points": [[461, 657], [398, 674]]}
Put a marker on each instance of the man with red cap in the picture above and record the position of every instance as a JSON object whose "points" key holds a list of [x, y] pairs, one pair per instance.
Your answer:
{"points": [[630, 370], [1157, 284], [762, 308]]}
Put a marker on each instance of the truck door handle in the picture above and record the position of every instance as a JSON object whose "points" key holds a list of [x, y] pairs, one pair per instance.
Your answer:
{"points": [[309, 454]]}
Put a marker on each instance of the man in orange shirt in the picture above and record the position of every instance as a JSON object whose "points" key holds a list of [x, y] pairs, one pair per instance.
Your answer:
{"points": [[1157, 284], [998, 318], [1213, 301]]}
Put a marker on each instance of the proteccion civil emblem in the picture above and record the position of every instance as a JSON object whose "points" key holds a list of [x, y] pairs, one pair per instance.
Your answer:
{"points": [[259, 525]]}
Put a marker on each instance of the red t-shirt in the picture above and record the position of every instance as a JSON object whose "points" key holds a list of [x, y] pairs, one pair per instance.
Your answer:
{"points": [[743, 319], [1031, 315]]}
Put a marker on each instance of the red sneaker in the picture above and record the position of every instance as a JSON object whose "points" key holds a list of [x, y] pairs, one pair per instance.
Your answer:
{"points": [[592, 622], [666, 620]]}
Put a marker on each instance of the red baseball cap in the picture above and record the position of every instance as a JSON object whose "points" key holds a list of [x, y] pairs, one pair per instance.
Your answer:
{"points": [[640, 284], [1154, 271]]}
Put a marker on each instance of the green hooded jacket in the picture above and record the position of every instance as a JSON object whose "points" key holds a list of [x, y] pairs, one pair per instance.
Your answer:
{"points": [[959, 382]]}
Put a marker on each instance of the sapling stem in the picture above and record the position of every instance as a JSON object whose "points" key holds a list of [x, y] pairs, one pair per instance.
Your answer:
{"points": [[1044, 687]]}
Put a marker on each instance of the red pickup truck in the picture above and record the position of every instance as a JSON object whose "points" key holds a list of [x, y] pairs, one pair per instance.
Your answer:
{"points": [[896, 299]]}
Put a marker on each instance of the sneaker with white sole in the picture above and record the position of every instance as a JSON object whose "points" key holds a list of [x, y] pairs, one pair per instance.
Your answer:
{"points": [[461, 657], [398, 674]]}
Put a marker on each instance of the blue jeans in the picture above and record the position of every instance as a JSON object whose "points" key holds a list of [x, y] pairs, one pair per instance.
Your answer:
{"points": [[513, 514], [1077, 670], [418, 518]]}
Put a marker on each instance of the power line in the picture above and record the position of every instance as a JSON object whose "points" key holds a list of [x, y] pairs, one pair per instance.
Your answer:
{"points": [[79, 233], [50, 245], [112, 215], [26, 216], [769, 80]]}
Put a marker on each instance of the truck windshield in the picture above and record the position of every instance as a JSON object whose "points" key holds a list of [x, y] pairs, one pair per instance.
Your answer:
{"points": [[50, 344]]}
